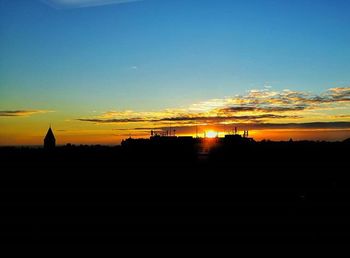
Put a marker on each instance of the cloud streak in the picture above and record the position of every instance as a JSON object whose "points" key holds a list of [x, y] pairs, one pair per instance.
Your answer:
{"points": [[201, 119], [62, 4], [234, 109], [21, 113]]}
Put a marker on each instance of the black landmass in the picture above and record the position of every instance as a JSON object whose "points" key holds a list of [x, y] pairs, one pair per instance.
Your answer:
{"points": [[144, 194]]}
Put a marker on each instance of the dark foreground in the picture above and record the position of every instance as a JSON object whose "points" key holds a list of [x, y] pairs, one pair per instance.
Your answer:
{"points": [[247, 198]]}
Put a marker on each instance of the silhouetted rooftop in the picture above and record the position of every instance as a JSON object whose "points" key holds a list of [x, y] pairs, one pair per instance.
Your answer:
{"points": [[49, 135]]}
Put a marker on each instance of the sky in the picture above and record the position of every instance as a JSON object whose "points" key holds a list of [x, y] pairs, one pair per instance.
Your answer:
{"points": [[99, 71]]}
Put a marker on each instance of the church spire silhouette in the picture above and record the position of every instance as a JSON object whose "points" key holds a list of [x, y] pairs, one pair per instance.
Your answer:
{"points": [[49, 140]]}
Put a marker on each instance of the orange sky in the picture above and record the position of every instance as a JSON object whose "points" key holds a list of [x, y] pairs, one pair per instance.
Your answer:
{"points": [[267, 114]]}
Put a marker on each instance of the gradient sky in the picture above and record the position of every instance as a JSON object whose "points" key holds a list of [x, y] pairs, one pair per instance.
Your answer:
{"points": [[101, 70]]}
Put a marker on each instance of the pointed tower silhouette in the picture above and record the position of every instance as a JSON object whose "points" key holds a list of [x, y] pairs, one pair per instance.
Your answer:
{"points": [[49, 140]]}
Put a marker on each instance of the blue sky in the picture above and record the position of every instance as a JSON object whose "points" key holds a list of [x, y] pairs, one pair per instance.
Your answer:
{"points": [[157, 54]]}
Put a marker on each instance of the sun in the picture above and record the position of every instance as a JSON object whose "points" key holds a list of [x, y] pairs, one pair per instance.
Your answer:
{"points": [[211, 134]]}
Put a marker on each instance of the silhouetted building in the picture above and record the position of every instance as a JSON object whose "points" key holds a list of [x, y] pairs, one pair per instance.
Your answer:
{"points": [[49, 140], [237, 139]]}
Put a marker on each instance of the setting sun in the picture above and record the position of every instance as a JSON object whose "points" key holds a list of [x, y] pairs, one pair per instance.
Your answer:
{"points": [[211, 134]]}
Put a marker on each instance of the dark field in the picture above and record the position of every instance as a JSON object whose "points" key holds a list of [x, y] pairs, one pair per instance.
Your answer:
{"points": [[139, 197]]}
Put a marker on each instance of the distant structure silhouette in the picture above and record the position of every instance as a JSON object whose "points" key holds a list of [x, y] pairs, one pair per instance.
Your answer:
{"points": [[49, 140], [166, 139], [236, 138]]}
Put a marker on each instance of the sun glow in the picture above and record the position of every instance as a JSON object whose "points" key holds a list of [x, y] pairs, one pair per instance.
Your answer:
{"points": [[211, 134]]}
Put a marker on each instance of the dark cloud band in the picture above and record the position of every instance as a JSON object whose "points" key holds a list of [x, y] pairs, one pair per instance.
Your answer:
{"points": [[16, 113], [187, 119]]}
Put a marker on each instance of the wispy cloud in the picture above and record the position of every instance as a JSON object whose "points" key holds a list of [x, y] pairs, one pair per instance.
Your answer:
{"points": [[60, 4], [286, 100], [21, 113], [258, 106], [342, 116], [195, 119], [249, 108]]}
